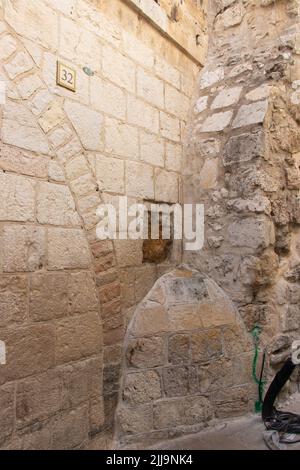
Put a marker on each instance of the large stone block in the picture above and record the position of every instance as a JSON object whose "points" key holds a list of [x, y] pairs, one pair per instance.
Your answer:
{"points": [[108, 98], [227, 97], [119, 69], [29, 351], [7, 411], [146, 353], [78, 337], [139, 180], [176, 103], [121, 139], [15, 160], [68, 249], [181, 411], [135, 419], [179, 349], [38, 398], [110, 174], [17, 198], [82, 293], [150, 88], [141, 114], [8, 46], [71, 429], [151, 318], [205, 345], [13, 299], [170, 127], [243, 148], [88, 125], [250, 114], [48, 296], [217, 122], [23, 248], [20, 63], [254, 233], [55, 205], [166, 186], [142, 387], [152, 149], [180, 381], [25, 137]]}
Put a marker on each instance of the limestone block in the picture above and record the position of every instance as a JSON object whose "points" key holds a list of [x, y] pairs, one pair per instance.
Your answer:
{"points": [[249, 114], [135, 419], [151, 319], [244, 148], [201, 104], [232, 16], [232, 402], [108, 98], [30, 350], [70, 429], [128, 252], [167, 72], [48, 296], [37, 398], [186, 317], [170, 127], [119, 69], [13, 299], [139, 180], [152, 149], [251, 233], [6, 411], [210, 77], [60, 135], [142, 387], [8, 46], [143, 115], [217, 122], [76, 167], [150, 88], [67, 249], [40, 101], [19, 64], [25, 248], [78, 337], [29, 85], [166, 186], [176, 103], [209, 174], [55, 172], [174, 157], [18, 161], [17, 198], [206, 345], [25, 137], [216, 374], [110, 174], [82, 293], [137, 50], [52, 117], [145, 353], [179, 349], [88, 124], [180, 381], [55, 205], [259, 93], [145, 278], [14, 111], [34, 21], [121, 139], [69, 150], [227, 97], [181, 411]]}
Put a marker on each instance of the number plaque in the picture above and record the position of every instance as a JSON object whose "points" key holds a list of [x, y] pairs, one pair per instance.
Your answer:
{"points": [[66, 77]]}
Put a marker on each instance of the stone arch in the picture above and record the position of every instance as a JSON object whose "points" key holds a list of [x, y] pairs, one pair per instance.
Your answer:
{"points": [[187, 359]]}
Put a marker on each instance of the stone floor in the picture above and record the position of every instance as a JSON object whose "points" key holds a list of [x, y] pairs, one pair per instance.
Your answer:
{"points": [[236, 434]]}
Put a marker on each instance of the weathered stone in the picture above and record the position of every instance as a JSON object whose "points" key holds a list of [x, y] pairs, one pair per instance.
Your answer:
{"points": [[7, 413], [217, 122], [251, 114], [29, 351], [227, 97], [180, 381], [232, 402], [13, 299], [181, 411], [142, 387], [251, 233], [19, 64], [151, 318], [243, 148], [78, 337], [67, 249], [206, 345], [232, 16], [52, 117], [48, 296], [179, 349], [37, 398], [8, 46], [25, 248], [201, 104], [25, 137], [136, 419], [210, 77], [146, 352], [15, 160], [88, 124], [217, 373], [17, 198], [166, 186], [55, 205], [70, 429]]}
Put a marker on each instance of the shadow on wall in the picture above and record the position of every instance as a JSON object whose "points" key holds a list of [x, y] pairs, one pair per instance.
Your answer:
{"points": [[187, 359]]}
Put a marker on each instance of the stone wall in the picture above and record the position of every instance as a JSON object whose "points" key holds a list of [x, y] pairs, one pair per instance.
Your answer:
{"points": [[187, 360], [65, 296], [242, 161]]}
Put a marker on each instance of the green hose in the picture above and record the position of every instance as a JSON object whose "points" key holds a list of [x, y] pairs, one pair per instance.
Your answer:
{"points": [[259, 381]]}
